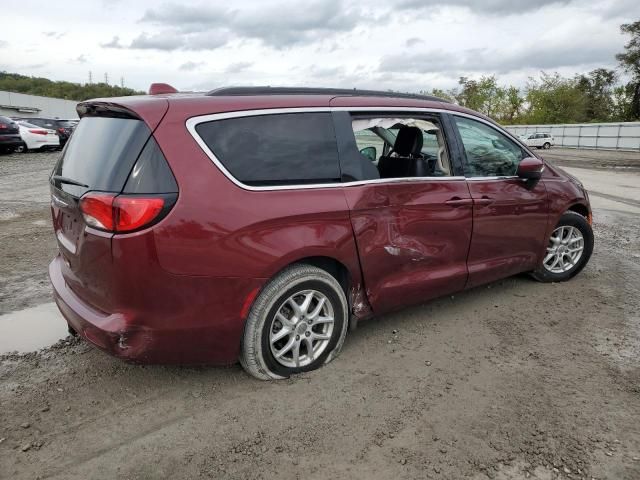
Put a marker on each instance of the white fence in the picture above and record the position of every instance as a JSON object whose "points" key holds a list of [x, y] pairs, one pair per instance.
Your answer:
{"points": [[21, 105], [605, 136]]}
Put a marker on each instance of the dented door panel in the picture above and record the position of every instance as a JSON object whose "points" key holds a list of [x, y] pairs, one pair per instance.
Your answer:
{"points": [[413, 238]]}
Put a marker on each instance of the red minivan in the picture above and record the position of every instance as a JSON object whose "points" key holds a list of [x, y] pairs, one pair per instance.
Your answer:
{"points": [[260, 223]]}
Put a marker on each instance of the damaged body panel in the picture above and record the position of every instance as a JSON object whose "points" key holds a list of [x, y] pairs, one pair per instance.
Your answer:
{"points": [[413, 245]]}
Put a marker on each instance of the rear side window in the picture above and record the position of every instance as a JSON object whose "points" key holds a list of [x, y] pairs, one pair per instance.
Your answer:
{"points": [[101, 153], [283, 149]]}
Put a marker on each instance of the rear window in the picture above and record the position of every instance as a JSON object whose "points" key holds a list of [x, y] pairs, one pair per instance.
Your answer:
{"points": [[283, 149], [101, 153]]}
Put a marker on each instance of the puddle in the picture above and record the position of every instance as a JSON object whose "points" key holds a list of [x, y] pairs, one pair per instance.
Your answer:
{"points": [[31, 329]]}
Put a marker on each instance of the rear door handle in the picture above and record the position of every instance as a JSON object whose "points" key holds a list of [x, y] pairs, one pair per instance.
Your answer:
{"points": [[484, 200], [459, 202]]}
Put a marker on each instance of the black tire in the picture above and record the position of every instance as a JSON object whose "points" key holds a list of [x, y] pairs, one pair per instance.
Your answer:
{"points": [[570, 219], [546, 146], [21, 148], [256, 355]]}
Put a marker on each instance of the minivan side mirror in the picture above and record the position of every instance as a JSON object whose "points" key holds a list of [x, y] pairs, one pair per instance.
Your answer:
{"points": [[530, 168], [370, 153]]}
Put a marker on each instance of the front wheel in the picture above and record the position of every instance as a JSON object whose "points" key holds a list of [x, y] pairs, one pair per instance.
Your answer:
{"points": [[569, 249], [297, 324], [21, 148]]}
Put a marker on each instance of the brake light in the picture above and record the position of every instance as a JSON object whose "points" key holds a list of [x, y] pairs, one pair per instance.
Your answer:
{"points": [[119, 214], [3, 126], [38, 132], [132, 213], [97, 210]]}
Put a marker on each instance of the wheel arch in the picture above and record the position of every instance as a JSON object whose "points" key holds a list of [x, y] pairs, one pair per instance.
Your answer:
{"points": [[581, 209]]}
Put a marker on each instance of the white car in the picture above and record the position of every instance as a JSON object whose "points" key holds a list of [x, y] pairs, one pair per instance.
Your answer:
{"points": [[539, 140], [37, 138]]}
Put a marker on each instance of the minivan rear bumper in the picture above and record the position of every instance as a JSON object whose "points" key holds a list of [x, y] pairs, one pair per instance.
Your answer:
{"points": [[139, 338]]}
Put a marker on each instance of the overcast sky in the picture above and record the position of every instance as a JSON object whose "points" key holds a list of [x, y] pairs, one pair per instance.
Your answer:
{"points": [[407, 45]]}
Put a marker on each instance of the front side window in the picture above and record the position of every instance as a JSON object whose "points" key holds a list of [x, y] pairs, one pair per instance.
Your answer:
{"points": [[279, 149], [488, 153], [403, 147]]}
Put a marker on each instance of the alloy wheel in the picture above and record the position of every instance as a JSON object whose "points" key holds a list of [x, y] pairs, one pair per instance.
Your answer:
{"points": [[565, 249], [301, 328]]}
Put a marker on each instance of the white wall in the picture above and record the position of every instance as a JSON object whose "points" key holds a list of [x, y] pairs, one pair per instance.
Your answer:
{"points": [[605, 136], [35, 106]]}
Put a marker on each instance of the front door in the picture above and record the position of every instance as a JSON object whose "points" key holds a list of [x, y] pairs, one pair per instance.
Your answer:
{"points": [[509, 216]]}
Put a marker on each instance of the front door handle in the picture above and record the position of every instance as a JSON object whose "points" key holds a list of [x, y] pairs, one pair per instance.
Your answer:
{"points": [[484, 200], [459, 202]]}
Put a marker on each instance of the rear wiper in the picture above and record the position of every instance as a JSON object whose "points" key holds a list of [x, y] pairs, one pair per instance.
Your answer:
{"points": [[70, 181]]}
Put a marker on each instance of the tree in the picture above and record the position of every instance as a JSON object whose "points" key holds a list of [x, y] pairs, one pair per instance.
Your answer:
{"points": [[513, 105], [554, 99], [597, 87], [630, 62]]}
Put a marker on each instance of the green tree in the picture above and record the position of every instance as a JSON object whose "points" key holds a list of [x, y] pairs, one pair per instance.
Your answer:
{"points": [[597, 87], [554, 99], [630, 62]]}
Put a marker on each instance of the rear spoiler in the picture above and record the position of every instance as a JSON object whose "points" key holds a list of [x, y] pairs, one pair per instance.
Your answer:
{"points": [[149, 109]]}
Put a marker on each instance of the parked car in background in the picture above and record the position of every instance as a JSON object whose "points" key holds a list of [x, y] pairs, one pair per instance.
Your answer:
{"points": [[64, 128], [9, 135], [260, 223], [37, 138], [539, 140]]}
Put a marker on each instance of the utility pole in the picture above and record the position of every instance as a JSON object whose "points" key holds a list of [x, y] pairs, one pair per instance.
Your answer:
{"points": [[122, 82], [106, 78], [90, 78]]}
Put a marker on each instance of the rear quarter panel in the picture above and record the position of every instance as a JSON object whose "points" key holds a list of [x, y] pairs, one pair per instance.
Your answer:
{"points": [[219, 229]]}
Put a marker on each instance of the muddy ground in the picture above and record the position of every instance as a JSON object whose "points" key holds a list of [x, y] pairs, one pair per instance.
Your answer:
{"points": [[512, 380]]}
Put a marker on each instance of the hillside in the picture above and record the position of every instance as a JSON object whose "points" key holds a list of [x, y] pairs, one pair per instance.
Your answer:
{"points": [[13, 82]]}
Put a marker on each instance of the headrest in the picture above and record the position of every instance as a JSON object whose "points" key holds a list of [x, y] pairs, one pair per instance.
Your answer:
{"points": [[408, 141]]}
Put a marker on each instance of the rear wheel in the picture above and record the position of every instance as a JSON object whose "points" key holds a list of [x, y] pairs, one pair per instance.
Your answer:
{"points": [[546, 146], [569, 249], [297, 324]]}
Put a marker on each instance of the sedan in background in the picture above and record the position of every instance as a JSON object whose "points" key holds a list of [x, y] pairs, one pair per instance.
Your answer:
{"points": [[63, 128], [37, 138], [9, 135]]}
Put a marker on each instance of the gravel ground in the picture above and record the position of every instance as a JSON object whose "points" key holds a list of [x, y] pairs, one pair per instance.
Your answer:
{"points": [[512, 380]]}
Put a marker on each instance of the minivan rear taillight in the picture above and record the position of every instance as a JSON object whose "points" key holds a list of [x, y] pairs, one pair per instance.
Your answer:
{"points": [[123, 213]]}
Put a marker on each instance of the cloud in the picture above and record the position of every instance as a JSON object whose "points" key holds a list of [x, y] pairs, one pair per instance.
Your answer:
{"points": [[487, 7], [156, 42], [539, 57], [278, 25], [413, 41], [189, 66], [53, 34], [80, 59], [172, 40], [4, 43], [114, 43], [237, 67]]}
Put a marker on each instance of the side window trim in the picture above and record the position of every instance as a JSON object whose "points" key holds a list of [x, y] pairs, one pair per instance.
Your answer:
{"points": [[453, 137], [441, 116], [525, 151]]}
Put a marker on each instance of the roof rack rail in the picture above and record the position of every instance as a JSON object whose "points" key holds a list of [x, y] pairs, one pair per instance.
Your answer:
{"points": [[267, 90]]}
